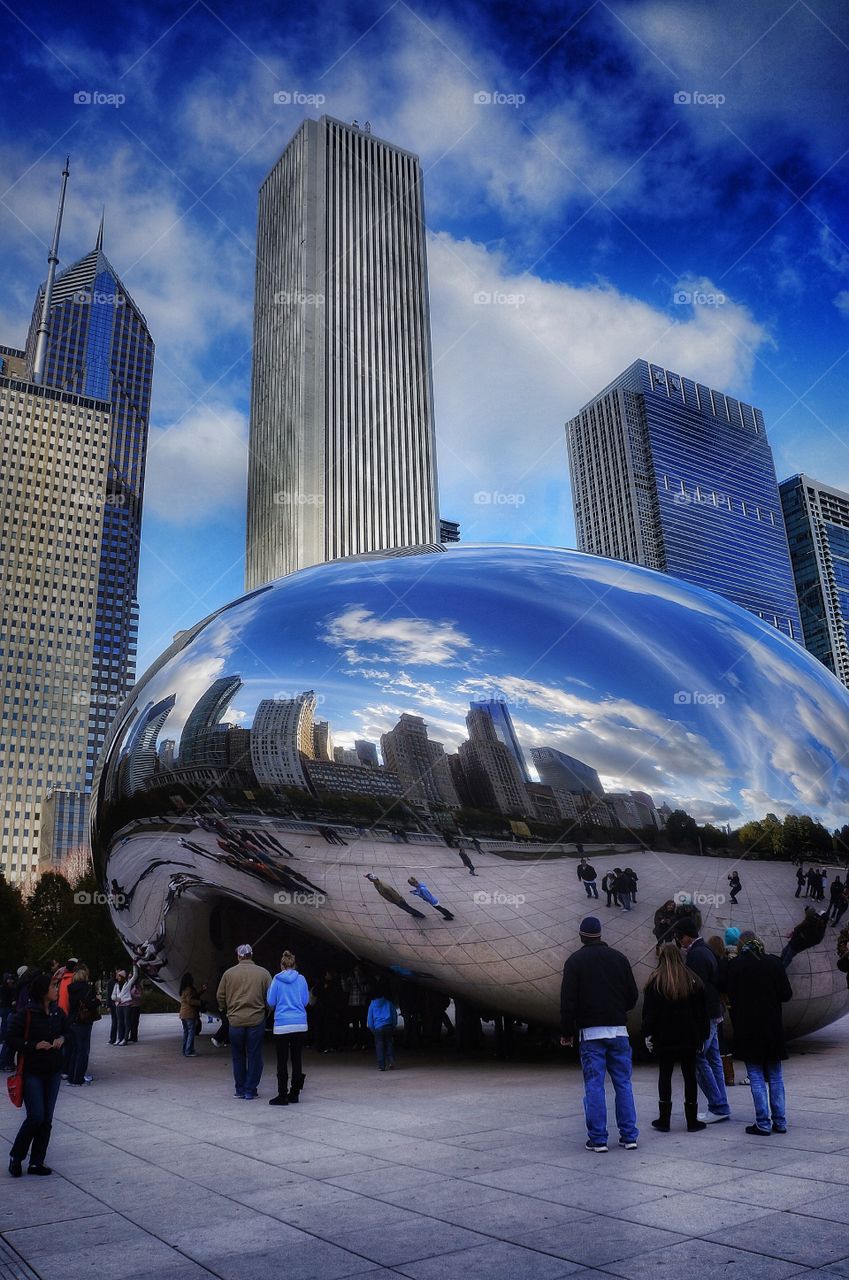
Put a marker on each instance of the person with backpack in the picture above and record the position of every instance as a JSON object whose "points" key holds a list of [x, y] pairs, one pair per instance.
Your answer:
{"points": [[83, 1012], [287, 999], [381, 1021], [675, 1026]]}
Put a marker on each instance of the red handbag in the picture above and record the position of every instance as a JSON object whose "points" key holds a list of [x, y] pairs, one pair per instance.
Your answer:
{"points": [[15, 1082]]}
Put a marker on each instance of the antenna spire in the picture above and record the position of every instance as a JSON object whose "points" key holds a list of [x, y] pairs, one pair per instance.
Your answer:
{"points": [[99, 243], [43, 330]]}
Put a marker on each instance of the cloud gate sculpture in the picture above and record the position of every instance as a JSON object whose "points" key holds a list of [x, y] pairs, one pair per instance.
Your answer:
{"points": [[300, 763]]}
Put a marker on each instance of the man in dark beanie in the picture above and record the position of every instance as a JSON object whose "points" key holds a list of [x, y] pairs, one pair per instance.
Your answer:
{"points": [[597, 993]]}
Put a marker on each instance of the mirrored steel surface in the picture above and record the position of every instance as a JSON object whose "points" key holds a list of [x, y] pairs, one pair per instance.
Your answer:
{"points": [[342, 723]]}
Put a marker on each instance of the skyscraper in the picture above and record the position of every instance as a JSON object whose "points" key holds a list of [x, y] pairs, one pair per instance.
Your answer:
{"points": [[817, 520], [669, 474], [203, 722], [52, 481], [490, 764], [91, 340], [282, 733], [421, 764], [502, 722], [565, 773], [342, 453]]}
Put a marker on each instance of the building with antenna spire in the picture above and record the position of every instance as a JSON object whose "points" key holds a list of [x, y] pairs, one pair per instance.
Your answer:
{"points": [[88, 343]]}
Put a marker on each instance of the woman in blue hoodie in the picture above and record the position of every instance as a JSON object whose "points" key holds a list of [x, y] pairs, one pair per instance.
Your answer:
{"points": [[287, 999]]}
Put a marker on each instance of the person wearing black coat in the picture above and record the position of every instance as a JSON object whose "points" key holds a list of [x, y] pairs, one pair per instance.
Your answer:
{"points": [[808, 933], [757, 985], [675, 1026], [38, 1032], [596, 995], [709, 1072]]}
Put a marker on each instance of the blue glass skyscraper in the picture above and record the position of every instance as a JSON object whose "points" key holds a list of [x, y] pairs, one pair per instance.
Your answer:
{"points": [[817, 519], [673, 475], [99, 345]]}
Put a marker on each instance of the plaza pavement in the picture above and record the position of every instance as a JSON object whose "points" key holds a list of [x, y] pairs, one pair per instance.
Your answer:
{"points": [[444, 1168]]}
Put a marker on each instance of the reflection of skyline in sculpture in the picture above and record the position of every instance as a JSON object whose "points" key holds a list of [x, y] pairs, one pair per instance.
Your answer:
{"points": [[760, 727], [202, 743], [140, 759]]}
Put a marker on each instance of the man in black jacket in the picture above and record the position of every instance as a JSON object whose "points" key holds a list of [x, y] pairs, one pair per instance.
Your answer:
{"points": [[597, 992], [757, 985], [709, 1072], [587, 873]]}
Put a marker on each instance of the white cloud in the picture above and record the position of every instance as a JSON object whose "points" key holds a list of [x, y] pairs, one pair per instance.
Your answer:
{"points": [[197, 467], [422, 642]]}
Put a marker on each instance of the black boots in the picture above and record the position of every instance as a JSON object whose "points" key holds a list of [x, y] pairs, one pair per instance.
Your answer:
{"points": [[15, 1167], [282, 1099], [662, 1121], [691, 1111], [297, 1086]]}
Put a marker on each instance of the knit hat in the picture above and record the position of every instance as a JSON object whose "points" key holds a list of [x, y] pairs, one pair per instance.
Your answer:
{"points": [[590, 927], [732, 936]]}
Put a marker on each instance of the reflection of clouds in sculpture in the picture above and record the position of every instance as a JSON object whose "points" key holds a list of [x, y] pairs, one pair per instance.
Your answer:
{"points": [[364, 637]]}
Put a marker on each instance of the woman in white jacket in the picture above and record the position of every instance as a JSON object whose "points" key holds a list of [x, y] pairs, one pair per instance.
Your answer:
{"points": [[122, 996]]}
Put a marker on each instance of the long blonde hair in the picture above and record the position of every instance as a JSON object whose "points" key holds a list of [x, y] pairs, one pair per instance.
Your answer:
{"points": [[672, 979]]}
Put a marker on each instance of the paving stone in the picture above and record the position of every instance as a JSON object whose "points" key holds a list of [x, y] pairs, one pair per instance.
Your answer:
{"points": [[811, 1242], [494, 1261], [707, 1260], [594, 1239]]}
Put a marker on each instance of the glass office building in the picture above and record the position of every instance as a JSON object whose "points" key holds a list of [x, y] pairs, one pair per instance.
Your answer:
{"points": [[817, 520], [99, 346], [678, 477]]}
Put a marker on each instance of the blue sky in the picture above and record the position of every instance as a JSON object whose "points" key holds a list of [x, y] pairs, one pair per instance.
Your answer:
{"points": [[580, 198]]}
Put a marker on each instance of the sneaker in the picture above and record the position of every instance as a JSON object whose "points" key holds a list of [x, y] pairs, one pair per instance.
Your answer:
{"points": [[597, 1147], [88, 1079], [776, 1129], [64, 1075], [213, 1041], [710, 1118], [118, 1043], [238, 1094], [250, 1097], [759, 1133], [628, 1144]]}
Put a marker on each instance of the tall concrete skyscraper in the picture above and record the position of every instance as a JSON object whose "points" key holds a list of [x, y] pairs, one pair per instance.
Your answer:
{"points": [[817, 519], [342, 452], [670, 474], [89, 342]]}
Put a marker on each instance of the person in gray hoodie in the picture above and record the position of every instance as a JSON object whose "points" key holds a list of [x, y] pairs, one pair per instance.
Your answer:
{"points": [[287, 999]]}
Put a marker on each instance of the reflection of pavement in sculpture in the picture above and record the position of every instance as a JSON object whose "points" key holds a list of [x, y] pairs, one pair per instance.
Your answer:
{"points": [[513, 927]]}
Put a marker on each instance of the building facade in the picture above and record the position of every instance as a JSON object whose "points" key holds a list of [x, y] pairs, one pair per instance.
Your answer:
{"points": [[281, 734], [490, 764], [342, 452], [421, 765], [670, 474], [566, 773], [816, 517], [53, 479]]}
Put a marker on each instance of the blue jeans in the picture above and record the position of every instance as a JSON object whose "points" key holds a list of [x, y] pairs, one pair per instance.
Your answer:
{"points": [[40, 1093], [384, 1046], [246, 1052], [614, 1057], [79, 1036], [767, 1084], [188, 1035], [710, 1075], [625, 901], [590, 886]]}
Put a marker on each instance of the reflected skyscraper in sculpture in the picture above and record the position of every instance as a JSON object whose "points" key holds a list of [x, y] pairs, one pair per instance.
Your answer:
{"points": [[672, 475], [342, 454], [666, 698]]}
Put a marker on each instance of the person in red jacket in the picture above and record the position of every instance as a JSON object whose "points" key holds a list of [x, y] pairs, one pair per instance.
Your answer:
{"points": [[65, 978]]}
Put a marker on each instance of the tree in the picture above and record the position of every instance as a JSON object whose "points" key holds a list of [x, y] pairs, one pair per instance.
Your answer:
{"points": [[681, 828], [14, 927], [51, 910]]}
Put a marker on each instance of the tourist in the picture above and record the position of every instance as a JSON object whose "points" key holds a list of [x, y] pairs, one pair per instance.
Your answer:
{"points": [[356, 989], [241, 996], [587, 874], [622, 885], [466, 861], [800, 880], [83, 1012], [842, 904], [757, 985], [387, 892], [190, 1001], [596, 995], [112, 1006], [329, 1002], [136, 996], [287, 999], [381, 1021], [122, 996], [734, 887], [664, 921], [633, 880], [675, 1026], [420, 890], [808, 933], [835, 893], [38, 1032], [607, 884], [709, 1072]]}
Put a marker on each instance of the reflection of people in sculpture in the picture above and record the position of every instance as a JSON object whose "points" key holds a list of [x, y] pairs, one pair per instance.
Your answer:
{"points": [[331, 836], [392, 895], [421, 891], [807, 933], [467, 862]]}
